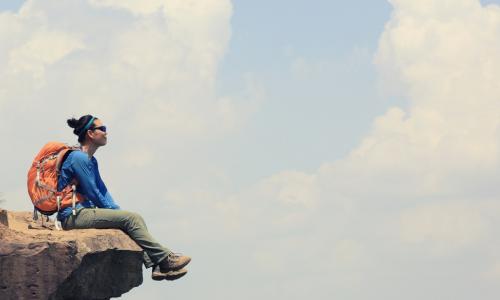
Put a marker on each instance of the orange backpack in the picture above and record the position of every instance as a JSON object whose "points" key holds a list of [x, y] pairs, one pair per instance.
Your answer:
{"points": [[42, 180]]}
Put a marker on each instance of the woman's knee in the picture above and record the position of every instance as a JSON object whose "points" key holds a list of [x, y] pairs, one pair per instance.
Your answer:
{"points": [[135, 218]]}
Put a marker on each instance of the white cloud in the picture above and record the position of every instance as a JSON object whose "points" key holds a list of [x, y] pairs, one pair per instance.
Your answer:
{"points": [[149, 69], [160, 63], [449, 134], [292, 187], [136, 7], [443, 227], [394, 197], [40, 51]]}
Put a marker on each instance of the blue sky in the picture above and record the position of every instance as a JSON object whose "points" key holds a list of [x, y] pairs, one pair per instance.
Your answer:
{"points": [[11, 5], [327, 149], [315, 109]]}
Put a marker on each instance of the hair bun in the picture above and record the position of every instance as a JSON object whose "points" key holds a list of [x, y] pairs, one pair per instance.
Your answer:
{"points": [[73, 123]]}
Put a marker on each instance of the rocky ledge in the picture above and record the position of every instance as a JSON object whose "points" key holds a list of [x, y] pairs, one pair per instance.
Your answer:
{"points": [[39, 262]]}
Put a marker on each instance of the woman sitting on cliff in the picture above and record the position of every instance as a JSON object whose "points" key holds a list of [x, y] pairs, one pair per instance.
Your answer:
{"points": [[99, 210]]}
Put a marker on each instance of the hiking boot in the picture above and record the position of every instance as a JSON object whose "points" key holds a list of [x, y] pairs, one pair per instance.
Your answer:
{"points": [[157, 274], [174, 262]]}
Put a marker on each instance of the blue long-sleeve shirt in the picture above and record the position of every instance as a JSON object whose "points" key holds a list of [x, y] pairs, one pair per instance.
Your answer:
{"points": [[78, 166]]}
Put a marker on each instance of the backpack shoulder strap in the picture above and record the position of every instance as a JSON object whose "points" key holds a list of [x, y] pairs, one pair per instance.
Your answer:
{"points": [[62, 155]]}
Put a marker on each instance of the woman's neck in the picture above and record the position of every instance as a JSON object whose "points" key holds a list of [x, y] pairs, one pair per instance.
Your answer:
{"points": [[90, 149]]}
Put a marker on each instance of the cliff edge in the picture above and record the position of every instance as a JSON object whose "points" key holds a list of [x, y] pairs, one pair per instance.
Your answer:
{"points": [[39, 262]]}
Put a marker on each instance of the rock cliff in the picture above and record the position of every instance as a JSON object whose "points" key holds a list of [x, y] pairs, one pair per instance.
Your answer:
{"points": [[39, 262]]}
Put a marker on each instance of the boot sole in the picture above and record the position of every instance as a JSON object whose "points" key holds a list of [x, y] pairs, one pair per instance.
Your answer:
{"points": [[170, 275], [176, 276]]}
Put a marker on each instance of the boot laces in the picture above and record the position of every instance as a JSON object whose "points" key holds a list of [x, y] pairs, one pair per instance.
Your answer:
{"points": [[174, 256]]}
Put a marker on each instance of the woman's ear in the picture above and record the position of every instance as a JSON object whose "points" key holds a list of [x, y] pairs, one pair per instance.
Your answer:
{"points": [[90, 134]]}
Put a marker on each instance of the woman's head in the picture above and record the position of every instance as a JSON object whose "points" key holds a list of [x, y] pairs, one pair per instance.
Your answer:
{"points": [[89, 129]]}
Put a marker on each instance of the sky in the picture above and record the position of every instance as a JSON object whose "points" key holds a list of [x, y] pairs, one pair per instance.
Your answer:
{"points": [[326, 149]]}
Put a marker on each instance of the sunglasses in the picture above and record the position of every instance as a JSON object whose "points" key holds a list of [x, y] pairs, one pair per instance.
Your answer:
{"points": [[101, 128]]}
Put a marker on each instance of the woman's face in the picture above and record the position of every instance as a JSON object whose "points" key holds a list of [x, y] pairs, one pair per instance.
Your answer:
{"points": [[97, 135]]}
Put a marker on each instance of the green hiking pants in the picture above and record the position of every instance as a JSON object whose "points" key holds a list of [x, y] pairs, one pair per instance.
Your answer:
{"points": [[129, 222]]}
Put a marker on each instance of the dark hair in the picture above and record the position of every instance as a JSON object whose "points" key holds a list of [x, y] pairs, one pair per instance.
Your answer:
{"points": [[79, 126]]}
